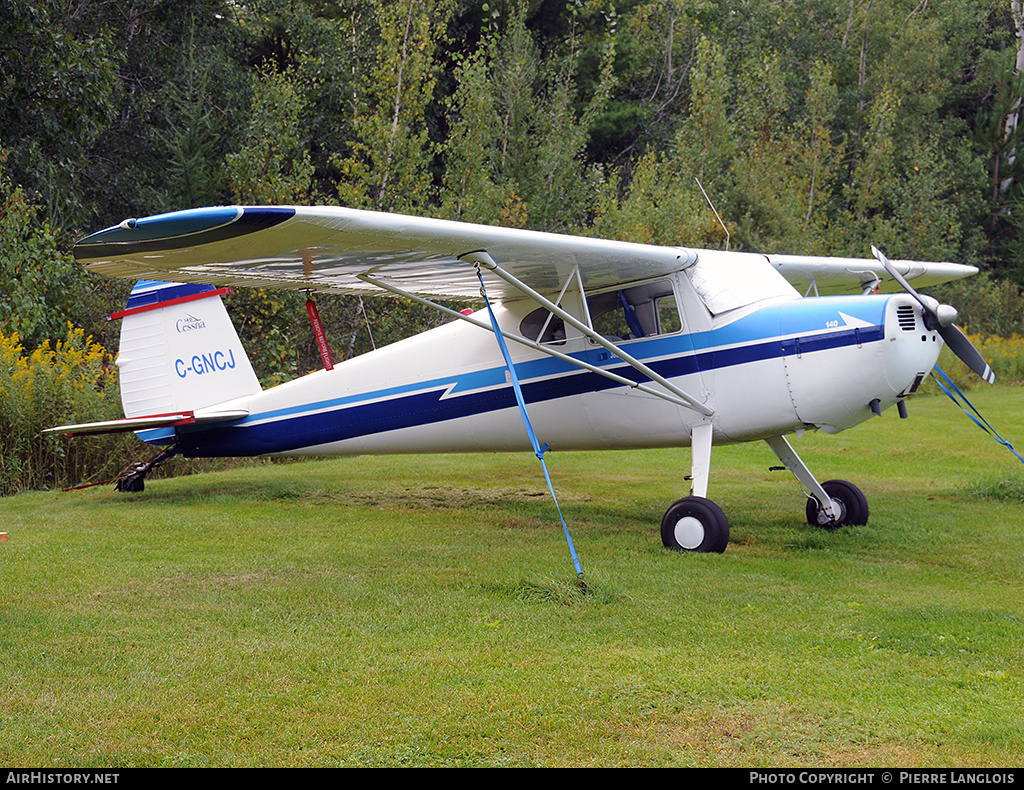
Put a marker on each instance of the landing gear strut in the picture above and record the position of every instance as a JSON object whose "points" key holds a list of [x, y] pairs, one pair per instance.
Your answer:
{"points": [[830, 505], [695, 523]]}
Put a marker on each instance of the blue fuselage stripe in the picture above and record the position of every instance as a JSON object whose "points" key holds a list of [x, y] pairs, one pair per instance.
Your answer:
{"points": [[428, 403]]}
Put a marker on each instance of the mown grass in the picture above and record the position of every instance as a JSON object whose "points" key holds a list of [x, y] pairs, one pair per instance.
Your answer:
{"points": [[423, 611]]}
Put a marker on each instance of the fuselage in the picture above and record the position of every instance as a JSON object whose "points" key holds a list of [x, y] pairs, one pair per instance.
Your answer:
{"points": [[765, 369]]}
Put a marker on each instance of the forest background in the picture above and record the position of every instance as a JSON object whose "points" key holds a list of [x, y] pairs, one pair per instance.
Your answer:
{"points": [[816, 126]]}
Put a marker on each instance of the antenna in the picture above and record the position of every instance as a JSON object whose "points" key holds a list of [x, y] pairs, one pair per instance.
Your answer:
{"points": [[716, 212]]}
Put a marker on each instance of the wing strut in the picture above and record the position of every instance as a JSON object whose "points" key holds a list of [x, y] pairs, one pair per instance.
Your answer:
{"points": [[483, 259], [583, 297], [658, 393]]}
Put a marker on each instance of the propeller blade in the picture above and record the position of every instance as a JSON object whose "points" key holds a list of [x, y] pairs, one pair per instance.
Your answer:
{"points": [[968, 354], [894, 273], [936, 315]]}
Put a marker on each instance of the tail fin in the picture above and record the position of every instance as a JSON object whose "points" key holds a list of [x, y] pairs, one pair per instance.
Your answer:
{"points": [[179, 351]]}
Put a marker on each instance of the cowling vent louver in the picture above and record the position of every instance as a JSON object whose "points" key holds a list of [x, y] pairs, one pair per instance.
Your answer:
{"points": [[906, 317]]}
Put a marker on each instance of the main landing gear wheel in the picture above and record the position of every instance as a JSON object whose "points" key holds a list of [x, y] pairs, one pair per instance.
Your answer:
{"points": [[695, 524], [853, 506]]}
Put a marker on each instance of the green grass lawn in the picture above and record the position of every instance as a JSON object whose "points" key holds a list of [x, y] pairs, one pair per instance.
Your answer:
{"points": [[423, 611]]}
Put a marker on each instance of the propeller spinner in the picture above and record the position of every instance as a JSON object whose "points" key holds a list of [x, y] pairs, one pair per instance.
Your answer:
{"points": [[940, 318]]}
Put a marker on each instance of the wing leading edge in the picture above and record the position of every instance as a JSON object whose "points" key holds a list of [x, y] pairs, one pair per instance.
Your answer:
{"points": [[817, 275]]}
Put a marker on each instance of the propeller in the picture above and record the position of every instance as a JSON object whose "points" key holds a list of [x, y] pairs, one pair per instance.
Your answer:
{"points": [[940, 318]]}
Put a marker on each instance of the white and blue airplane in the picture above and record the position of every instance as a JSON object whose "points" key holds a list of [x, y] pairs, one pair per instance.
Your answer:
{"points": [[611, 345]]}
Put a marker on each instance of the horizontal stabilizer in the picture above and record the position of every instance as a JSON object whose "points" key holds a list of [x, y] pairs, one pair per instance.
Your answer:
{"points": [[145, 423]]}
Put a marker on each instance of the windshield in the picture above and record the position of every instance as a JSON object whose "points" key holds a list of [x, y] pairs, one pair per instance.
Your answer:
{"points": [[725, 281]]}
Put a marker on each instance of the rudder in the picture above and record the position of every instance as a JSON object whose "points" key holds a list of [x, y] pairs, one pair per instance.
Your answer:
{"points": [[179, 350]]}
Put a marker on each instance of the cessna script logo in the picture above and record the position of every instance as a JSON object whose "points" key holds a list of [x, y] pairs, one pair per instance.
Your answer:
{"points": [[189, 324]]}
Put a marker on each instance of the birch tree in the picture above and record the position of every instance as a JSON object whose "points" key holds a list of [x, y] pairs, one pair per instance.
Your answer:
{"points": [[389, 167]]}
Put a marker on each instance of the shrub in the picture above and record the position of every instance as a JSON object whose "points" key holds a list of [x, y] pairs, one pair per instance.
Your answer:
{"points": [[987, 306], [1004, 354], [40, 284], [69, 381]]}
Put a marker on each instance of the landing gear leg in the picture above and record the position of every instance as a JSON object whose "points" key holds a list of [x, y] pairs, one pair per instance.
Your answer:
{"points": [[700, 459], [830, 505], [695, 523], [133, 479]]}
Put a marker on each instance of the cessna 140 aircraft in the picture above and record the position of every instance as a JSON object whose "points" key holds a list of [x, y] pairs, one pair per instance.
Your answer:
{"points": [[605, 344]]}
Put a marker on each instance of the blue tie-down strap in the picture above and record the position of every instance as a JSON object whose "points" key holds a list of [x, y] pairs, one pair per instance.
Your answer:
{"points": [[976, 417], [538, 449]]}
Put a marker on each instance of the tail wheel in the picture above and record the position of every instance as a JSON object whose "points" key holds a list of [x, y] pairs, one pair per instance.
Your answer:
{"points": [[853, 506], [131, 484], [695, 524]]}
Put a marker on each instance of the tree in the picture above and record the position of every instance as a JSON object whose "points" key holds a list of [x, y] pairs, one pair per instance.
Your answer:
{"points": [[59, 86], [193, 132], [656, 49], [41, 286], [271, 167], [519, 132], [472, 185], [661, 201], [273, 164]]}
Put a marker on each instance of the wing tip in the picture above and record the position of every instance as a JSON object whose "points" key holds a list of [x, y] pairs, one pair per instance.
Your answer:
{"points": [[177, 230]]}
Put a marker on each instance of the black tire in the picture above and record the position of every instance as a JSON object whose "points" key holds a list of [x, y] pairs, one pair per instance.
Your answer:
{"points": [[132, 484], [695, 524], [852, 502]]}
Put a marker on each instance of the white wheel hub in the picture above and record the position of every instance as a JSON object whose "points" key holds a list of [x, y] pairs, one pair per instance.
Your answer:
{"points": [[825, 518], [689, 532]]}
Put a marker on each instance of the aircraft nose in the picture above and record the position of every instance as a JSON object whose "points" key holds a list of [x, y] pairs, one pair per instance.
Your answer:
{"points": [[911, 349]]}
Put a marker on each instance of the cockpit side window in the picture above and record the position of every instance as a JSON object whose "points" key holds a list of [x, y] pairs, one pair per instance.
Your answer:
{"points": [[669, 320], [631, 313], [623, 314]]}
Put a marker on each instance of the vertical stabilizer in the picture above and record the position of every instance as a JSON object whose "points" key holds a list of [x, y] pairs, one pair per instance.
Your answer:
{"points": [[179, 351]]}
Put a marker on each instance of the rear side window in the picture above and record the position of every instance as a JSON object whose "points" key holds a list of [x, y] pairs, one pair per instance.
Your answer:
{"points": [[544, 327]]}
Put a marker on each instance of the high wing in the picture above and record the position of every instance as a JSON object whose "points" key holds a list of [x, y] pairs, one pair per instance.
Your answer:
{"points": [[330, 249], [816, 275], [327, 249]]}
